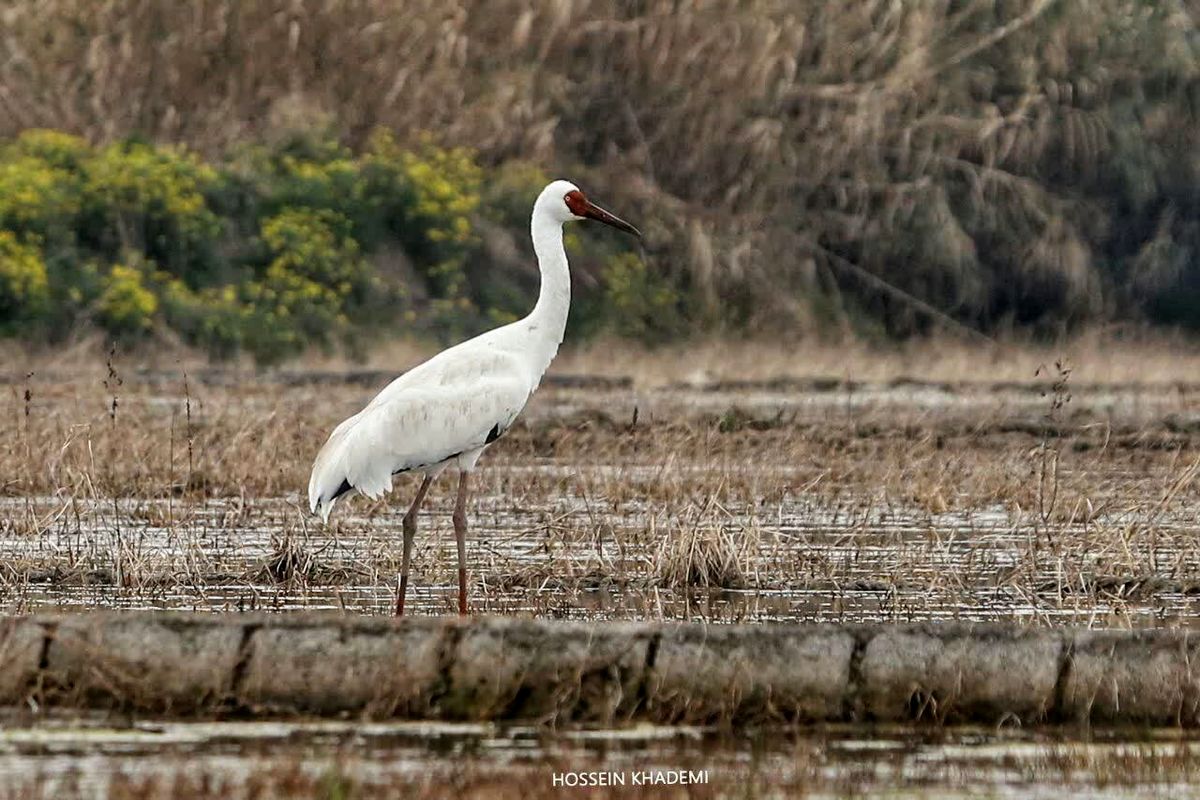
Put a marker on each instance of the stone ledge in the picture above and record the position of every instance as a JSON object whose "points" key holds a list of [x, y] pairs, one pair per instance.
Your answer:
{"points": [[493, 668]]}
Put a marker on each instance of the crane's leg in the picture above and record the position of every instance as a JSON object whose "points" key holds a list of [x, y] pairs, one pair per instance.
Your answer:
{"points": [[410, 533], [460, 536]]}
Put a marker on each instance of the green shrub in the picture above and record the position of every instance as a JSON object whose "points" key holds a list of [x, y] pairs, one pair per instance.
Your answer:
{"points": [[316, 246], [640, 304], [24, 288], [153, 200], [509, 192], [432, 194], [59, 150], [316, 174], [316, 273], [500, 271], [38, 197], [126, 307], [288, 246], [215, 318]]}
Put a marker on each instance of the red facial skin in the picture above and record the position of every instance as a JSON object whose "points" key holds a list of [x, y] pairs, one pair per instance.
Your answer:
{"points": [[577, 203]]}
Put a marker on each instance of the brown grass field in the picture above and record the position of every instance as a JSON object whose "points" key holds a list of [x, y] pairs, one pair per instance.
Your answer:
{"points": [[725, 482]]}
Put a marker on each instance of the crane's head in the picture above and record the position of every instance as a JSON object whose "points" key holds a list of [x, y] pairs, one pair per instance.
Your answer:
{"points": [[565, 202]]}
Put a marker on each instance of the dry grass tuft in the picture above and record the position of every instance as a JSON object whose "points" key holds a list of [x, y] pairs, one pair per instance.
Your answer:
{"points": [[289, 561], [707, 546]]}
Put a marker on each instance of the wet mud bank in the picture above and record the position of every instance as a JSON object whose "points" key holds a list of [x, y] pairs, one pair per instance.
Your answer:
{"points": [[566, 672]]}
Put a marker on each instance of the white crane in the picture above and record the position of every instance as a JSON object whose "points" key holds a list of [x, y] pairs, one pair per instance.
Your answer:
{"points": [[448, 409]]}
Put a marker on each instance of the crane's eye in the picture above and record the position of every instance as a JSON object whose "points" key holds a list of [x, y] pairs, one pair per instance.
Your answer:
{"points": [[576, 202]]}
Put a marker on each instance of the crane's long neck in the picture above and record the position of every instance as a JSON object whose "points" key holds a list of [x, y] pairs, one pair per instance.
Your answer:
{"points": [[548, 320]]}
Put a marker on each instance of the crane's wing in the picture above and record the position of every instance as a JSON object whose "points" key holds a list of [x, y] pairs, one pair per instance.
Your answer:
{"points": [[413, 427]]}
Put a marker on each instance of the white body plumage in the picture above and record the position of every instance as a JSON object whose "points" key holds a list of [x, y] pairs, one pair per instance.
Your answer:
{"points": [[450, 408]]}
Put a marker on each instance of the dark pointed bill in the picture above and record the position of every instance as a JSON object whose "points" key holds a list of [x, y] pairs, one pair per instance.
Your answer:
{"points": [[593, 211]]}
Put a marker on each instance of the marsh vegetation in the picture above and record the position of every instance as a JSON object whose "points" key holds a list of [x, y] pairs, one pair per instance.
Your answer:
{"points": [[1048, 499]]}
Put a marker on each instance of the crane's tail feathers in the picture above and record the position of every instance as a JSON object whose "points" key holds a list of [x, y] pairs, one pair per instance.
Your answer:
{"points": [[325, 508], [324, 488], [321, 502], [339, 468]]}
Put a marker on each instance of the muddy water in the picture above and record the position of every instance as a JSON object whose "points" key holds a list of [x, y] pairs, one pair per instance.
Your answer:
{"points": [[101, 758]]}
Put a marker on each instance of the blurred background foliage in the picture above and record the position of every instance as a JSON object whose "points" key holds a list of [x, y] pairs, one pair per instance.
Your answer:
{"points": [[268, 176]]}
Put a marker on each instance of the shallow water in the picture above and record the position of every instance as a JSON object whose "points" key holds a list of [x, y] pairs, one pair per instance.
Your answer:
{"points": [[807, 559], [101, 757]]}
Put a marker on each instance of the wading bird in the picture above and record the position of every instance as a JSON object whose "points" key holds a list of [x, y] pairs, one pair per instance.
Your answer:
{"points": [[446, 410]]}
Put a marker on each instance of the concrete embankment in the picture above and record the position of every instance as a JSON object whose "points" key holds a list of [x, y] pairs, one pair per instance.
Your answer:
{"points": [[499, 669]]}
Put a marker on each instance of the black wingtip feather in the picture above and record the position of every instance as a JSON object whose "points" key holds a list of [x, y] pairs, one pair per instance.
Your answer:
{"points": [[341, 490]]}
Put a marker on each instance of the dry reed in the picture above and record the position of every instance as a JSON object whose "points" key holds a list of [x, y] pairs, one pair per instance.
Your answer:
{"points": [[783, 154]]}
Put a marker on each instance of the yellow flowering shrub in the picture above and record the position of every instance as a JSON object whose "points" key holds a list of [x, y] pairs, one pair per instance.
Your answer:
{"points": [[154, 199], [315, 272], [315, 245], [126, 306], [24, 288], [436, 193], [445, 185], [58, 149], [37, 196], [281, 246]]}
